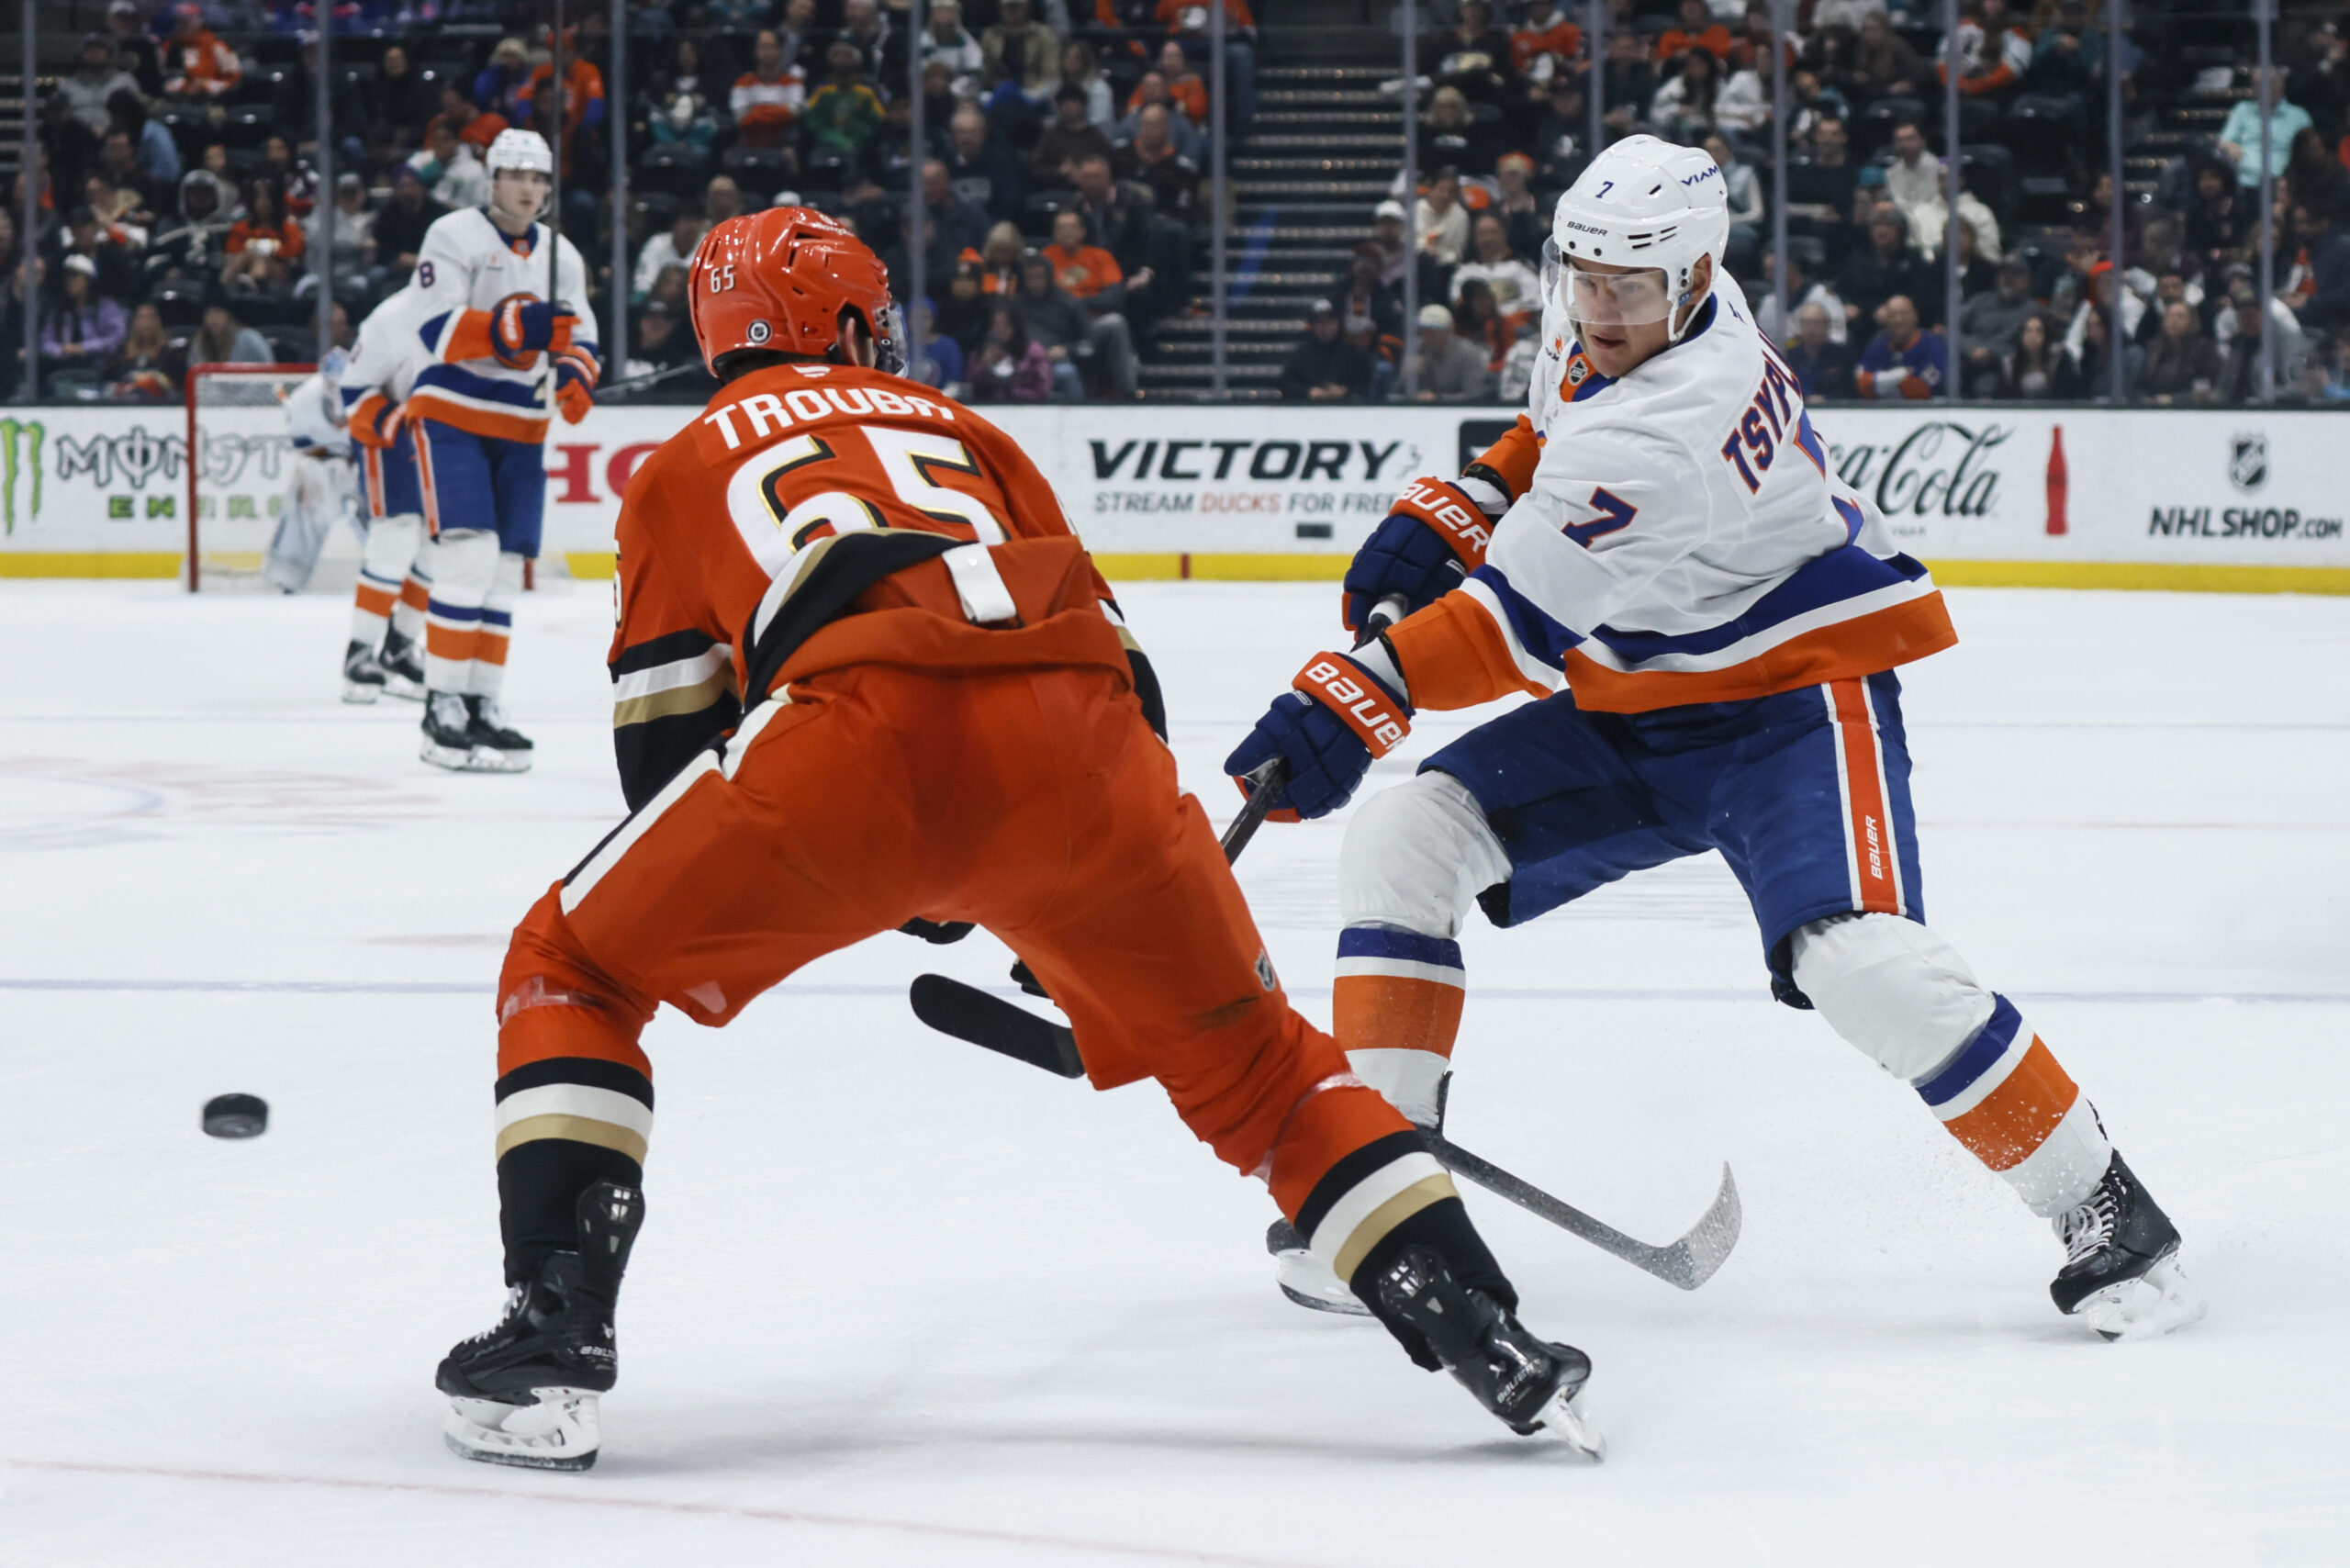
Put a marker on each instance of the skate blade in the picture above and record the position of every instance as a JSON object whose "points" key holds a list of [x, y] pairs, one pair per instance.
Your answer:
{"points": [[1308, 1281], [404, 689], [561, 1430], [2161, 1301], [361, 691], [489, 759], [1567, 1420]]}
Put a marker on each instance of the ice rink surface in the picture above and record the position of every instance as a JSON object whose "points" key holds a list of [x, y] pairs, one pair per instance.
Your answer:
{"points": [[899, 1301]]}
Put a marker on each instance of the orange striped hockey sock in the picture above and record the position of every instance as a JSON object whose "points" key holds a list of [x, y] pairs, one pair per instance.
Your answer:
{"points": [[2004, 1096], [1397, 1009]]}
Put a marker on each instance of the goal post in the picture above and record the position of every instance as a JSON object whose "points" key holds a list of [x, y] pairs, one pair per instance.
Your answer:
{"points": [[238, 453]]}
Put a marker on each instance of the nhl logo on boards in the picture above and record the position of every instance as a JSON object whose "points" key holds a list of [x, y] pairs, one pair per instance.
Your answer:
{"points": [[2248, 460], [759, 332]]}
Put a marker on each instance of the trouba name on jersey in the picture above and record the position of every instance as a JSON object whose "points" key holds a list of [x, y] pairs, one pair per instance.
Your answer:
{"points": [[762, 409]]}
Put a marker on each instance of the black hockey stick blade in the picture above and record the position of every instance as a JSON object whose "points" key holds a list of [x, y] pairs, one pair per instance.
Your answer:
{"points": [[1687, 1263], [1265, 782], [989, 1020]]}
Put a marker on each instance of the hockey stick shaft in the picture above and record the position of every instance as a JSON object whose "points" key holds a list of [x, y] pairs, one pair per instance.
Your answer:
{"points": [[652, 378]]}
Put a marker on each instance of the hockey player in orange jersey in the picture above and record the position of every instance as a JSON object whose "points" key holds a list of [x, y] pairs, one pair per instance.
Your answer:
{"points": [[866, 678]]}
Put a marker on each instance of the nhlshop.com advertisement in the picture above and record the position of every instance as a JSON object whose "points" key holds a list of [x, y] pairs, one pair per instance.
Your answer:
{"points": [[1283, 491]]}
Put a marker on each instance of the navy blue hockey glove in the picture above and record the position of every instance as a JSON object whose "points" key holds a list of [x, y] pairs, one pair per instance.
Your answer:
{"points": [[1433, 539], [1327, 730]]}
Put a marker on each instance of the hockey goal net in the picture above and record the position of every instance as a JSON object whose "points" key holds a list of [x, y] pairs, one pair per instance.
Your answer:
{"points": [[239, 471]]}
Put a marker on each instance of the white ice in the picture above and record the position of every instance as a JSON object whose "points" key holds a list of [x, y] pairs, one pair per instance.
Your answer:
{"points": [[900, 1302]]}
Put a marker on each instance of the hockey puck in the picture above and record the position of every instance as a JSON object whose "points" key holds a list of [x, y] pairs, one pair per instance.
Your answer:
{"points": [[236, 1115]]}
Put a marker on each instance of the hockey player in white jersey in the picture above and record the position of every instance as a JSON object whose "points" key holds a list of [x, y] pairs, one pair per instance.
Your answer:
{"points": [[319, 482], [1661, 537], [500, 345], [384, 653]]}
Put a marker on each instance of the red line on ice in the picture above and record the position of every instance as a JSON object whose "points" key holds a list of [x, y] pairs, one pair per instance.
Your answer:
{"points": [[661, 1505]]}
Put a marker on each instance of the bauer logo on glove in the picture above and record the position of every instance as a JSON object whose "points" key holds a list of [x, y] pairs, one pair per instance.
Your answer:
{"points": [[1369, 714]]}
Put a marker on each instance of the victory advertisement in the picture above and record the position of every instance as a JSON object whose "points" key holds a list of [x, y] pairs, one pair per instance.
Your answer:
{"points": [[1959, 483]]}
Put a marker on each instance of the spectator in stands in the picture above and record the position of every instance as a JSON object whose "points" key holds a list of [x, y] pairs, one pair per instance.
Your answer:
{"points": [[1989, 321], [132, 198], [96, 80], [399, 228], [1052, 162], [1901, 361], [674, 248], [798, 33], [1682, 107], [70, 147], [950, 224], [1010, 367], [1823, 366], [1450, 134], [2240, 136], [1525, 220], [1517, 291], [661, 341], [355, 235], [1022, 64], [1884, 65], [1562, 129], [223, 339], [1072, 335], [2314, 178], [1152, 160], [1696, 29], [981, 167], [1443, 222], [681, 105], [145, 369], [2098, 292], [156, 154], [1150, 91], [1478, 321], [1325, 367], [2028, 369], [1802, 289], [883, 51], [1185, 89], [1387, 233], [768, 100], [1888, 267], [135, 47], [2083, 370], [83, 236], [1121, 224], [1000, 257], [1745, 194], [1081, 69], [1086, 273], [263, 247], [935, 360], [1545, 46], [2317, 284], [1472, 55], [2182, 364], [449, 167], [81, 328], [196, 245], [669, 290], [1365, 303], [2237, 329], [2171, 286], [202, 69], [1628, 79], [1449, 369], [1914, 179], [720, 199], [398, 103], [845, 113], [944, 42], [1992, 53], [2221, 218], [497, 87]]}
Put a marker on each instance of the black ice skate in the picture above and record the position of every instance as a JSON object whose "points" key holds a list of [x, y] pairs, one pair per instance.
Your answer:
{"points": [[525, 1393], [2122, 1276], [1531, 1383], [1306, 1279], [497, 747], [448, 733], [362, 677], [403, 667]]}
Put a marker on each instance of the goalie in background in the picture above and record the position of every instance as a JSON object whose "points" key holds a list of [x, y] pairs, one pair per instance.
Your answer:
{"points": [[320, 483]]}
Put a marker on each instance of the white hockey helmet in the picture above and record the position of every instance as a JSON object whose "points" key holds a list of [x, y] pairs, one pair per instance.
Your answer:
{"points": [[1644, 202], [525, 151]]}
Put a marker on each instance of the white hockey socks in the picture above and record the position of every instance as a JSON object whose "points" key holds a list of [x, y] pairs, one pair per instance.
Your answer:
{"points": [[461, 566], [383, 569], [488, 674], [1903, 996]]}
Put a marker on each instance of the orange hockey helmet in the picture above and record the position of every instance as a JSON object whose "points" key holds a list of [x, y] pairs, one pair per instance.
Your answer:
{"points": [[780, 281]]}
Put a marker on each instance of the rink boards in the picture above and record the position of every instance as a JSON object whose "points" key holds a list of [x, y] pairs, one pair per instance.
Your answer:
{"points": [[1990, 495]]}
